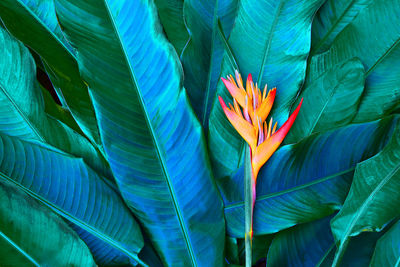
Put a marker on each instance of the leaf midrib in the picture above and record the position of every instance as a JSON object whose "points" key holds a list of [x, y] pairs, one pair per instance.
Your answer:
{"points": [[73, 219], [18, 248], [363, 208], [22, 114], [293, 189], [24, 6], [154, 139]]}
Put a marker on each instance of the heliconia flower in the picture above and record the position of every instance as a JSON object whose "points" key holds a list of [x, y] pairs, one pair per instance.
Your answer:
{"points": [[248, 114]]}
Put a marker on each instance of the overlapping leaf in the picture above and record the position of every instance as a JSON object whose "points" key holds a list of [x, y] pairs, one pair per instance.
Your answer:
{"points": [[380, 56], [331, 19], [151, 137], [330, 101], [304, 181], [302, 245], [38, 28], [270, 40], [202, 56], [387, 251], [27, 230], [373, 198], [22, 108], [67, 183]]}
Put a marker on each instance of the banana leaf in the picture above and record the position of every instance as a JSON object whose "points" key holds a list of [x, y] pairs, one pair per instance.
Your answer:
{"points": [[331, 19], [373, 198], [380, 56], [202, 56], [387, 250], [22, 107], [38, 28], [302, 245], [32, 235], [171, 18], [305, 181], [67, 183], [330, 101], [151, 137], [270, 40]]}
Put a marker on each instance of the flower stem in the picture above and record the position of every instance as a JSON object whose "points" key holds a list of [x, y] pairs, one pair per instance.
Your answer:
{"points": [[249, 200]]}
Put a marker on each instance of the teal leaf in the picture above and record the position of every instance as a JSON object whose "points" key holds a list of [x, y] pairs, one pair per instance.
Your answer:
{"points": [[373, 197], [380, 56], [387, 250], [305, 181], [202, 56], [66, 182], [330, 101], [171, 18], [331, 19], [32, 235], [302, 245], [22, 108], [150, 134], [270, 40], [38, 28]]}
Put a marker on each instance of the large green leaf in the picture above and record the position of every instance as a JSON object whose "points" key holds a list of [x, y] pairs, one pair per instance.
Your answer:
{"points": [[270, 40], [171, 17], [331, 19], [305, 181], [302, 245], [380, 56], [387, 251], [373, 198], [22, 108], [66, 182], [32, 235], [203, 53], [151, 136], [330, 101], [38, 28]]}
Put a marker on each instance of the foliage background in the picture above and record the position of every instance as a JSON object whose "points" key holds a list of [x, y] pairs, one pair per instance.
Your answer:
{"points": [[130, 160]]}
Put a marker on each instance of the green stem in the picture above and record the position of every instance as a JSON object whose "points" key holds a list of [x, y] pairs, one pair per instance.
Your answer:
{"points": [[249, 197]]}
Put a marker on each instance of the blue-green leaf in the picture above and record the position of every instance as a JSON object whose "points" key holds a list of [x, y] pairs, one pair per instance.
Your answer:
{"points": [[305, 181], [32, 235], [387, 251], [150, 134], [302, 245], [331, 19], [380, 56], [330, 101], [38, 28], [202, 56], [373, 198], [66, 182], [22, 108]]}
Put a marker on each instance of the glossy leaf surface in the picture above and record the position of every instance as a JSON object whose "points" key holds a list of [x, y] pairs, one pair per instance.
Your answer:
{"points": [[151, 136], [22, 108], [372, 201], [380, 56], [331, 19], [304, 181], [302, 245], [387, 251], [27, 230], [330, 101], [69, 184], [202, 56], [38, 28]]}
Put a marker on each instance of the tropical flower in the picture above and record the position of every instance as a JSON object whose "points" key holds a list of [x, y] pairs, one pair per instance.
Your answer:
{"points": [[248, 116]]}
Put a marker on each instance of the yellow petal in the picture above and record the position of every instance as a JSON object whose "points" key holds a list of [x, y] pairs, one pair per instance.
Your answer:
{"points": [[266, 106]]}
